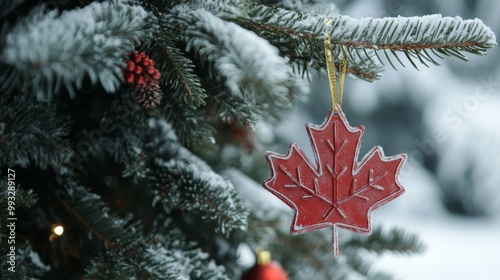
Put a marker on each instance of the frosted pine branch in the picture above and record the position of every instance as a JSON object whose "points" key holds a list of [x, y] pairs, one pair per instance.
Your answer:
{"points": [[414, 35], [178, 72], [53, 51], [196, 188], [240, 57], [396, 240], [165, 256], [189, 123], [203, 193], [299, 36], [151, 257], [178, 178], [171, 263]]}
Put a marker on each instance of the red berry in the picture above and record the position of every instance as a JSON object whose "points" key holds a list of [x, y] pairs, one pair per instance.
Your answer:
{"points": [[129, 78], [156, 75], [150, 69], [138, 70], [130, 66], [137, 58], [140, 80]]}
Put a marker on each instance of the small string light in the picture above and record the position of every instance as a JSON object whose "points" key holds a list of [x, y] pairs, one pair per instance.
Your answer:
{"points": [[57, 230]]}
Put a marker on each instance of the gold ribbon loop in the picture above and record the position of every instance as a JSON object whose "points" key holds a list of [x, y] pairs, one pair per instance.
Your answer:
{"points": [[336, 92]]}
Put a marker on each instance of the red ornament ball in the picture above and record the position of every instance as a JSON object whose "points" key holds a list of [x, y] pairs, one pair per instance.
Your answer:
{"points": [[265, 269], [270, 271]]}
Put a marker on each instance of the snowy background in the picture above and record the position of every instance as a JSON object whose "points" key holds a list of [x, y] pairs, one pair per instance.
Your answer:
{"points": [[446, 119]]}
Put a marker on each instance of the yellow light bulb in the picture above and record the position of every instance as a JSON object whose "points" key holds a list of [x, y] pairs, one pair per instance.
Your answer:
{"points": [[58, 230]]}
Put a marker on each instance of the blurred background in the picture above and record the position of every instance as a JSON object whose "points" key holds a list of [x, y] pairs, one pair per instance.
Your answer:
{"points": [[446, 119]]}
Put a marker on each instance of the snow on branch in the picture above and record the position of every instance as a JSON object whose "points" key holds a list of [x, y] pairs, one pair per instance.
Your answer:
{"points": [[299, 36], [172, 262], [151, 257], [157, 256], [178, 178], [241, 57], [53, 51], [323, 9], [414, 35], [203, 193], [192, 185]]}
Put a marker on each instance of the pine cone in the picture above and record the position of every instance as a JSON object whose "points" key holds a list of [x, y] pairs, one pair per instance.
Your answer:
{"points": [[147, 96]]}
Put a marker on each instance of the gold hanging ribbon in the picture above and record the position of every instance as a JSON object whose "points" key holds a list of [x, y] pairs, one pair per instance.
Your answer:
{"points": [[337, 93]]}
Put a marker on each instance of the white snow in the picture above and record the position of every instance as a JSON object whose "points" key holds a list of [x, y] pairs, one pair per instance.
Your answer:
{"points": [[35, 259], [243, 58], [323, 9], [457, 247]]}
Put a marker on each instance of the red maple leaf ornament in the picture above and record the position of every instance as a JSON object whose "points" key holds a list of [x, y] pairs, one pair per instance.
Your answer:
{"points": [[337, 191]]}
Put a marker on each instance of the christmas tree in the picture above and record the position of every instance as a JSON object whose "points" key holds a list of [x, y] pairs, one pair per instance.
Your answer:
{"points": [[132, 132]]}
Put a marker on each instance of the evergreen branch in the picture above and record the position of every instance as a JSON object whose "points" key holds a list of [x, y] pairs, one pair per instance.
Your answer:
{"points": [[9, 78], [299, 37], [188, 183], [165, 257], [130, 254], [182, 259], [230, 108], [239, 59], [128, 263], [396, 240], [177, 70], [190, 124], [178, 178], [359, 264], [88, 42], [31, 132], [413, 35], [90, 211], [202, 193]]}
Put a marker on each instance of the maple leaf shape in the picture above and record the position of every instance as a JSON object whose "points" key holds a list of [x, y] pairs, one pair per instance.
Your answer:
{"points": [[337, 191]]}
